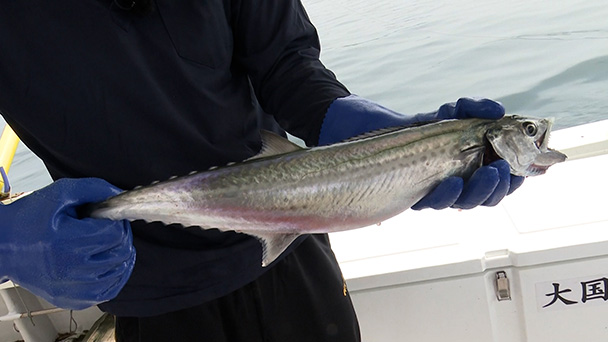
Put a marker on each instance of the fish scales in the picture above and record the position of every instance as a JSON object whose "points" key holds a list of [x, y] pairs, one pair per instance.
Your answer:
{"points": [[287, 191], [328, 186]]}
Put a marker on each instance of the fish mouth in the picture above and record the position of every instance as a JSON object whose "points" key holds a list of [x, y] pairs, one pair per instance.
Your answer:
{"points": [[539, 169], [542, 141], [544, 160]]}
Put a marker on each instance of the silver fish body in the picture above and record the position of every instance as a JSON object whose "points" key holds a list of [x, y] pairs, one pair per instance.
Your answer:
{"points": [[287, 191]]}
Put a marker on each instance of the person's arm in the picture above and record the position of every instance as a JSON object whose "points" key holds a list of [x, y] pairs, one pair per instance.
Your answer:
{"points": [[69, 261], [279, 47]]}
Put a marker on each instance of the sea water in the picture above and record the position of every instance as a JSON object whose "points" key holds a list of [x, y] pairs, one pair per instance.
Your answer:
{"points": [[539, 58]]}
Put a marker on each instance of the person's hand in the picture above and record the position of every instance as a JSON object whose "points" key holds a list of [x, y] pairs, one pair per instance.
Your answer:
{"points": [[69, 261], [351, 116]]}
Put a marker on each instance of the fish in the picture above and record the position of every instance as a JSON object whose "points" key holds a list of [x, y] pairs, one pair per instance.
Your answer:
{"points": [[287, 190]]}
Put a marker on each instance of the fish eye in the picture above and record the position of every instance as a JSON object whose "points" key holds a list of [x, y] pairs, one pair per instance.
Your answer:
{"points": [[530, 128]]}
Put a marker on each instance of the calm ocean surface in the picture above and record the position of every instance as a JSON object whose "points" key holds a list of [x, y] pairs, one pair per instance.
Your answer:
{"points": [[539, 58]]}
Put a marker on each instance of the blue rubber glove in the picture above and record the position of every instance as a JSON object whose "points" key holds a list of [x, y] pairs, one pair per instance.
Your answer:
{"points": [[70, 262], [352, 115]]}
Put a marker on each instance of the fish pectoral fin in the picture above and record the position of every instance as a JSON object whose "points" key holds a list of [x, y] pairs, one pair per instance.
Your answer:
{"points": [[273, 244]]}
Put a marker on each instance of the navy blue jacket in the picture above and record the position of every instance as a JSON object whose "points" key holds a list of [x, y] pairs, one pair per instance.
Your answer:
{"points": [[97, 91]]}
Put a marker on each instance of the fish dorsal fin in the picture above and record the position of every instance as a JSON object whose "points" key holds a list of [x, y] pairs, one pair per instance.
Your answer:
{"points": [[273, 144]]}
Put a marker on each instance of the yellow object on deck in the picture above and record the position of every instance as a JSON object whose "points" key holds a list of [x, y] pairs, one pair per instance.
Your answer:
{"points": [[8, 146]]}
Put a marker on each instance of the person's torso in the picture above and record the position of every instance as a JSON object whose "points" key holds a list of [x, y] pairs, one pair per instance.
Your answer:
{"points": [[96, 91]]}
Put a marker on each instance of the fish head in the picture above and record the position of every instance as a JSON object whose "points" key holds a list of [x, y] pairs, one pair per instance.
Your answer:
{"points": [[523, 143]]}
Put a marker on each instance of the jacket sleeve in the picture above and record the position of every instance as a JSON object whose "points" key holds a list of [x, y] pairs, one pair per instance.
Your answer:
{"points": [[279, 48]]}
